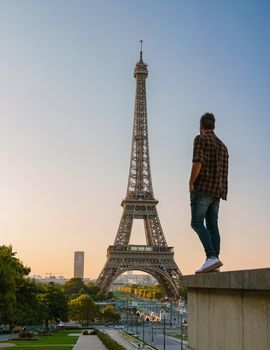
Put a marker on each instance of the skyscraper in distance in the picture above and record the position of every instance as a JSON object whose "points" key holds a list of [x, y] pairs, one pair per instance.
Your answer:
{"points": [[78, 264]]}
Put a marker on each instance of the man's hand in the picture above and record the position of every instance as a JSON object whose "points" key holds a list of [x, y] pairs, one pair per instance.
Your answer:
{"points": [[195, 171]]}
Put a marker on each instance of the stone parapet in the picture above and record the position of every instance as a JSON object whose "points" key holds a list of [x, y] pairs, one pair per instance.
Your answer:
{"points": [[229, 310], [258, 279]]}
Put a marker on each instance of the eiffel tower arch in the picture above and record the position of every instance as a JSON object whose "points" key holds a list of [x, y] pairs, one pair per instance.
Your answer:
{"points": [[156, 257]]}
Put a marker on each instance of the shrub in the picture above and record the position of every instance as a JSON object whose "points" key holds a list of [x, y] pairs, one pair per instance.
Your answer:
{"points": [[26, 334], [109, 342], [89, 332]]}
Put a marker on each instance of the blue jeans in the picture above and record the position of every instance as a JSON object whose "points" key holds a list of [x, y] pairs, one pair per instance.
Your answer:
{"points": [[205, 208]]}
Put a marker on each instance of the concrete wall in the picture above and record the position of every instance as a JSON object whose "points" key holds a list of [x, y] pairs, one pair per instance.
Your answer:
{"points": [[232, 314]]}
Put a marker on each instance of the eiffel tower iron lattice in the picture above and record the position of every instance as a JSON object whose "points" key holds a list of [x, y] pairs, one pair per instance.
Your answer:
{"points": [[155, 258]]}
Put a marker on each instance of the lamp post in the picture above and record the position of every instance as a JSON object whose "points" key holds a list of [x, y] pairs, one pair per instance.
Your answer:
{"points": [[127, 320], [143, 328], [163, 313], [152, 332], [171, 310], [127, 312], [131, 315], [181, 329], [164, 332]]}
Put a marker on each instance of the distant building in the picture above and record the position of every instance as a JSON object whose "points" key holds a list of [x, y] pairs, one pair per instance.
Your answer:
{"points": [[133, 278], [56, 279], [50, 278], [79, 264], [130, 274]]}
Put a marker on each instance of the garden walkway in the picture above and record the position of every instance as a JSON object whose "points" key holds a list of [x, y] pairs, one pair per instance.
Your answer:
{"points": [[89, 342]]}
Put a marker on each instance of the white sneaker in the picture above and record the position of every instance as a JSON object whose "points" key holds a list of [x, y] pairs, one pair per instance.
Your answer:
{"points": [[210, 265]]}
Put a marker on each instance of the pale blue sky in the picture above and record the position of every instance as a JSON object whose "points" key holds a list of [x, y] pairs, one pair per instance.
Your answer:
{"points": [[66, 107]]}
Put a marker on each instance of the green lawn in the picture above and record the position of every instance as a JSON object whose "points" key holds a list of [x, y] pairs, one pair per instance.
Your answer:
{"points": [[39, 347], [57, 341], [184, 337]]}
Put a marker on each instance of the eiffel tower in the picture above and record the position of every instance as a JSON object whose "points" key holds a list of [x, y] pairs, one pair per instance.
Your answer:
{"points": [[155, 258]]}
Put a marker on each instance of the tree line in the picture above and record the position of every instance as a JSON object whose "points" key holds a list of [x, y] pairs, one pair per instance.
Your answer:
{"points": [[23, 301]]}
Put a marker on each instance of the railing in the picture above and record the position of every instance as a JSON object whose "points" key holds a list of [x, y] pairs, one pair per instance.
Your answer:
{"points": [[139, 248]]}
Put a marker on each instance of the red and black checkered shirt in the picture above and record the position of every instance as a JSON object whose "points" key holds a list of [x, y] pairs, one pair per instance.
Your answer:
{"points": [[213, 154]]}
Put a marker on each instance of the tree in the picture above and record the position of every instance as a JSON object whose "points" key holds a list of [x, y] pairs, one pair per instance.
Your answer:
{"points": [[92, 290], [12, 273], [100, 296], [83, 309], [54, 304], [27, 309], [75, 286], [109, 314], [183, 293]]}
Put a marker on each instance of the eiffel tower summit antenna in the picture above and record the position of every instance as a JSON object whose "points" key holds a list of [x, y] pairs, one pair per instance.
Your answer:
{"points": [[156, 257], [141, 52]]}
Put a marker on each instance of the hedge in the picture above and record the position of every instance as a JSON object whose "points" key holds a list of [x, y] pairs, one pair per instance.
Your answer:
{"points": [[109, 342]]}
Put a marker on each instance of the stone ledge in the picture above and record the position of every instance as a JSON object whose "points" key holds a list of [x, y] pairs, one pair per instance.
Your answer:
{"points": [[258, 279]]}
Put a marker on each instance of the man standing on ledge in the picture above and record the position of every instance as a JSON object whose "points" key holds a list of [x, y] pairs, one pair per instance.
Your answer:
{"points": [[208, 183]]}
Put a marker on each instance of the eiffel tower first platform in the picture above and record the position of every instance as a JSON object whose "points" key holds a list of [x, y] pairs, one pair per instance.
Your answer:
{"points": [[155, 258]]}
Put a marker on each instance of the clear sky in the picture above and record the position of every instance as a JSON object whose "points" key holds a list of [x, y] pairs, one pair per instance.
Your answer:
{"points": [[66, 109]]}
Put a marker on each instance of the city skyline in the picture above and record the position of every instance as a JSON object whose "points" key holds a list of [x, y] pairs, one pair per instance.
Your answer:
{"points": [[68, 95]]}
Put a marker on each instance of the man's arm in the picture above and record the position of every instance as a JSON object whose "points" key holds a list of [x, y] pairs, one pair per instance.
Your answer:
{"points": [[195, 171]]}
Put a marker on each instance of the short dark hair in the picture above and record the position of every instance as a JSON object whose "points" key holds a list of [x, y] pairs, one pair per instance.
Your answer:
{"points": [[208, 121]]}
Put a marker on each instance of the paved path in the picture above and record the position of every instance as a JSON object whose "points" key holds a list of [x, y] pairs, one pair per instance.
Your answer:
{"points": [[125, 340], [129, 342], [121, 338], [89, 342], [171, 343], [9, 345], [5, 337], [6, 345]]}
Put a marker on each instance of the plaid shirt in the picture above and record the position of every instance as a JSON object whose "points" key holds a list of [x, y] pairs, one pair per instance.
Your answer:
{"points": [[213, 154]]}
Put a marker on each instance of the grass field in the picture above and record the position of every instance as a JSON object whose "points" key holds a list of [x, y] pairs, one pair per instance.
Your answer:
{"points": [[39, 347], [184, 337], [57, 341]]}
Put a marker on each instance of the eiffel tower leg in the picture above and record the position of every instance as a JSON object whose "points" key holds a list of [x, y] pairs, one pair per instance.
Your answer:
{"points": [[153, 231], [168, 288], [106, 277], [112, 269], [147, 230], [124, 230]]}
